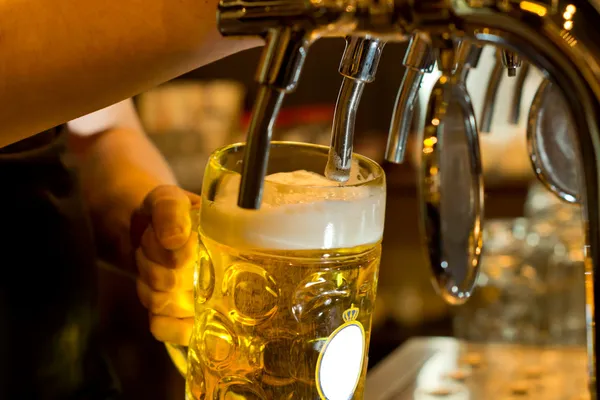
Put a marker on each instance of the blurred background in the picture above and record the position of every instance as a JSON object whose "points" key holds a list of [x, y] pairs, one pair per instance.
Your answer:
{"points": [[529, 266]]}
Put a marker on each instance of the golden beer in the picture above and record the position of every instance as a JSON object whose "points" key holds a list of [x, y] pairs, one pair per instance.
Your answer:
{"points": [[285, 294]]}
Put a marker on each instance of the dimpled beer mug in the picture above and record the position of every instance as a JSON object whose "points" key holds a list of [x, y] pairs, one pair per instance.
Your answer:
{"points": [[284, 294]]}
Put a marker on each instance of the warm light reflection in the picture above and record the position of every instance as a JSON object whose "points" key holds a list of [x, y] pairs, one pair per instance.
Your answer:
{"points": [[433, 171], [429, 142], [568, 16], [533, 8], [435, 122], [568, 25], [571, 41], [427, 150]]}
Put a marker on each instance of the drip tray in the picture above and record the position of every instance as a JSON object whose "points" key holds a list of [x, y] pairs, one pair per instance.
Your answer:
{"points": [[445, 368]]}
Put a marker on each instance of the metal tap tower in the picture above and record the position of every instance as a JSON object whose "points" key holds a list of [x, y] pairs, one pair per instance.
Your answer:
{"points": [[561, 38]]}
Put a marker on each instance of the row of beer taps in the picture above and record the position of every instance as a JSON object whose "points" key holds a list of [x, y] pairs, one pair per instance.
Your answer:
{"points": [[454, 59], [358, 67], [551, 148], [561, 38]]}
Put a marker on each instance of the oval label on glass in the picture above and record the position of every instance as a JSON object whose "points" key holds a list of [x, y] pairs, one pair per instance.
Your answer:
{"points": [[340, 362]]}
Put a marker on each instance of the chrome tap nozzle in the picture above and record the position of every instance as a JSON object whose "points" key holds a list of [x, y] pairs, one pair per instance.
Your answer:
{"points": [[279, 71], [358, 67], [418, 60]]}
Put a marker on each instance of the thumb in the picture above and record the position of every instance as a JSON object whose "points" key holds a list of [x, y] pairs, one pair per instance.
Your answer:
{"points": [[169, 209]]}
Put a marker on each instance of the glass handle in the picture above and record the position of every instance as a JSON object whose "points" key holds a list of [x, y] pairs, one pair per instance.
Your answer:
{"points": [[455, 266]]}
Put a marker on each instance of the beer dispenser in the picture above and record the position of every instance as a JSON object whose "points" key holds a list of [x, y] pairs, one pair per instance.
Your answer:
{"points": [[561, 38]]}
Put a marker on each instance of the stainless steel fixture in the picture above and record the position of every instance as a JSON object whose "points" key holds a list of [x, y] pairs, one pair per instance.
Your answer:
{"points": [[419, 59], [358, 66], [561, 38], [552, 143]]}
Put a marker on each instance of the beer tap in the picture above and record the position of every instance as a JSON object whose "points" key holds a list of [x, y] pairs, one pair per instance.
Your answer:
{"points": [[418, 60], [515, 109], [358, 66], [558, 37], [505, 60], [287, 39], [281, 63]]}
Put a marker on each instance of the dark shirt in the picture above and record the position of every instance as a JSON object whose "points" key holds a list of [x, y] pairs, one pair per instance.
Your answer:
{"points": [[49, 347]]}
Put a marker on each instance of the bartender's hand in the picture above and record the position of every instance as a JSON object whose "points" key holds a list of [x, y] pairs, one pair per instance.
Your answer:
{"points": [[166, 249]]}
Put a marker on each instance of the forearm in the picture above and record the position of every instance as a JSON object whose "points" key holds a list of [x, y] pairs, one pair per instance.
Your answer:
{"points": [[62, 59], [117, 172]]}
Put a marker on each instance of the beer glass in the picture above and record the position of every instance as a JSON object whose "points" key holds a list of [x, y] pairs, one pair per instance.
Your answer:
{"points": [[284, 295]]}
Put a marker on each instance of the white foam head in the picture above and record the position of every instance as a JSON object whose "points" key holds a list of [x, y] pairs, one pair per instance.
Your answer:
{"points": [[301, 210]]}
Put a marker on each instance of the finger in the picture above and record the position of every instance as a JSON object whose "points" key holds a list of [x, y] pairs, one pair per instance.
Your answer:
{"points": [[154, 251], [171, 330], [168, 304], [170, 208], [194, 199], [164, 279]]}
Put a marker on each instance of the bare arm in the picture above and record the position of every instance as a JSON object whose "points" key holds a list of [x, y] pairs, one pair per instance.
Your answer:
{"points": [[119, 166], [62, 59]]}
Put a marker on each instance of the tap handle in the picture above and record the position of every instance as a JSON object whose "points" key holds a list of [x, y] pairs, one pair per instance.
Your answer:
{"points": [[358, 67], [552, 143], [418, 60], [451, 190]]}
